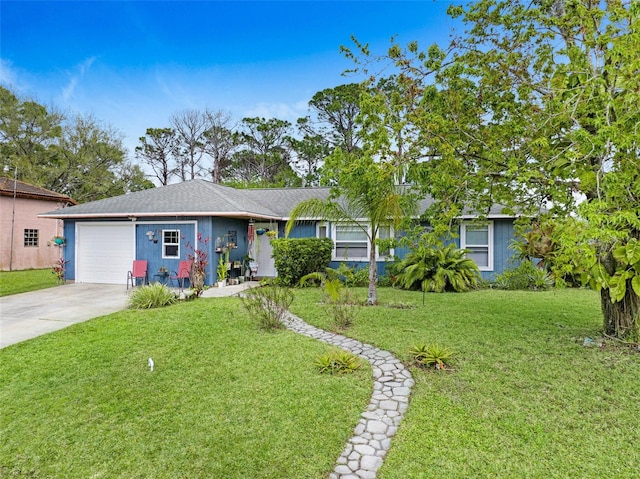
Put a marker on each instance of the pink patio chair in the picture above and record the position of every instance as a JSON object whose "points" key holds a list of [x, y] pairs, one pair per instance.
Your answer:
{"points": [[138, 272], [183, 273]]}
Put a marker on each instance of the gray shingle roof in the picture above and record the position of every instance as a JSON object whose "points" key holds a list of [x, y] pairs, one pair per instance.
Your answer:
{"points": [[194, 198], [203, 198]]}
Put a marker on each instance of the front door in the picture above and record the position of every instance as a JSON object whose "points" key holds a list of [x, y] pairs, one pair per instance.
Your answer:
{"points": [[264, 250]]}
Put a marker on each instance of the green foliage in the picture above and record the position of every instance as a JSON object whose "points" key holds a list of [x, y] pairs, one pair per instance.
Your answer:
{"points": [[436, 269], [155, 295], [264, 159], [76, 156], [431, 355], [221, 270], [296, 257], [340, 303], [533, 107], [338, 298], [627, 272], [338, 362], [524, 276], [552, 244], [268, 305]]}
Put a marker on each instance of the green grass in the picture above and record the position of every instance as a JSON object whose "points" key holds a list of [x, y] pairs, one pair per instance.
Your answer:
{"points": [[13, 282], [527, 399], [225, 400]]}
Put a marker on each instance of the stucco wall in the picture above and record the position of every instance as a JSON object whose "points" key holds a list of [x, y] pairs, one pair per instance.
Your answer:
{"points": [[26, 217]]}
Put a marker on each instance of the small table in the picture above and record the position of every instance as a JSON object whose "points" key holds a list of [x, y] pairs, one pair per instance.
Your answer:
{"points": [[162, 277]]}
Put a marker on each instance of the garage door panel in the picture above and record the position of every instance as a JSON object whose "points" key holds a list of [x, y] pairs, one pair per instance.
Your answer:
{"points": [[104, 253]]}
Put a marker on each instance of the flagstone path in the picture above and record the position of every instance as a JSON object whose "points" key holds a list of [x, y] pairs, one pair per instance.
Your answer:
{"points": [[366, 449]]}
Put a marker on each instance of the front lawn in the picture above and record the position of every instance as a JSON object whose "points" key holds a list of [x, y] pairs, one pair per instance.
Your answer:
{"points": [[527, 399], [225, 400], [13, 282]]}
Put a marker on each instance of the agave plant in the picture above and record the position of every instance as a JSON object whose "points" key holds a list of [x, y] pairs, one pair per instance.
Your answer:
{"points": [[437, 269], [431, 355]]}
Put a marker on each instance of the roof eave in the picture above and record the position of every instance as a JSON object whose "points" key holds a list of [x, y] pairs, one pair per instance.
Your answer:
{"points": [[233, 214]]}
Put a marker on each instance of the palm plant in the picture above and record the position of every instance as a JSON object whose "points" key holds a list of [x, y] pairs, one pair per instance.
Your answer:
{"points": [[383, 203], [437, 269]]}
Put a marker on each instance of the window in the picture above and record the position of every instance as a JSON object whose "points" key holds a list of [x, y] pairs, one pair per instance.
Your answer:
{"points": [[321, 230], [478, 241], [30, 237], [170, 243], [352, 243]]}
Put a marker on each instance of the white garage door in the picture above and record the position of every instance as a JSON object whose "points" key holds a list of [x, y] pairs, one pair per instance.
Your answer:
{"points": [[105, 252]]}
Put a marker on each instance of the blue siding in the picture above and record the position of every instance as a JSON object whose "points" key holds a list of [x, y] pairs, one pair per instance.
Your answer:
{"points": [[69, 251], [502, 254], [208, 229], [152, 250], [212, 228], [303, 230]]}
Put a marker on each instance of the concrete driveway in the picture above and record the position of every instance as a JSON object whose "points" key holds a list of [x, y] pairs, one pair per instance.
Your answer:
{"points": [[27, 315]]}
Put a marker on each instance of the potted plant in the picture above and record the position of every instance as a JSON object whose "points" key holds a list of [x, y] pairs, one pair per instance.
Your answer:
{"points": [[58, 240], [222, 272]]}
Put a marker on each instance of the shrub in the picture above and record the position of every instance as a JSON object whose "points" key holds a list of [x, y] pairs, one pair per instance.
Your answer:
{"points": [[524, 276], [337, 297], [155, 295], [268, 305], [59, 269], [338, 362], [441, 269], [431, 356], [340, 304], [297, 257]]}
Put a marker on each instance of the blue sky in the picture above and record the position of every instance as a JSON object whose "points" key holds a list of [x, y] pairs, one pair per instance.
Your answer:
{"points": [[133, 64]]}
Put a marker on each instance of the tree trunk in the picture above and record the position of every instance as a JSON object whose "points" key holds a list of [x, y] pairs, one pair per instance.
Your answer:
{"points": [[621, 319], [372, 296]]}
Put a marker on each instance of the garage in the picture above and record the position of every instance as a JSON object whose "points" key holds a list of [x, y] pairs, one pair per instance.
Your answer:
{"points": [[104, 252]]}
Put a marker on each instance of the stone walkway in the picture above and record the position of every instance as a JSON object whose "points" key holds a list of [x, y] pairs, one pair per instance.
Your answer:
{"points": [[365, 451]]}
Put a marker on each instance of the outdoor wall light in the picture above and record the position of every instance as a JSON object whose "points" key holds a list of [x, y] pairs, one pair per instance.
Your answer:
{"points": [[151, 235], [218, 245]]}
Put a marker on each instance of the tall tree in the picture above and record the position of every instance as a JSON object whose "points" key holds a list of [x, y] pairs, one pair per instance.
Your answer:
{"points": [[265, 159], [28, 130], [336, 111], [190, 127], [90, 164], [158, 149], [78, 157], [538, 107], [220, 143], [310, 150]]}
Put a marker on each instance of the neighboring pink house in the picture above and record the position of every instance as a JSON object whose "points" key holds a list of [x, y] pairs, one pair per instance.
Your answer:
{"points": [[33, 243]]}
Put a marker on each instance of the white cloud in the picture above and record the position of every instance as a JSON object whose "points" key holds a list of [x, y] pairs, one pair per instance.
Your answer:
{"points": [[8, 75], [79, 72]]}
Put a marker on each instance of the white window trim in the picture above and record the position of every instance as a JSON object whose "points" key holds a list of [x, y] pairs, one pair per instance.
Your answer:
{"points": [[321, 224], [333, 236], [464, 245], [164, 256]]}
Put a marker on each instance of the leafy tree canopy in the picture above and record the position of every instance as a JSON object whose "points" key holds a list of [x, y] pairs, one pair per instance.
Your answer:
{"points": [[536, 106], [77, 156]]}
